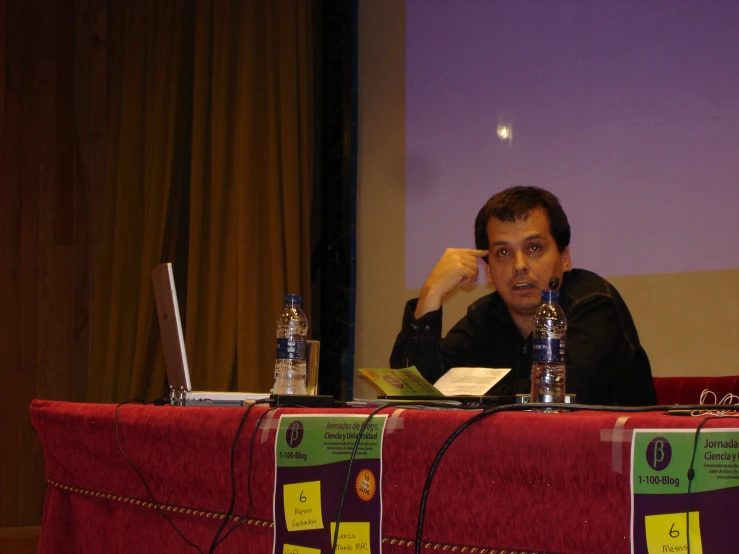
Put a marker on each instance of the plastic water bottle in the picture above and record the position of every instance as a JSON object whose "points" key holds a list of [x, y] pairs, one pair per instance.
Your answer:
{"points": [[292, 330], [548, 353]]}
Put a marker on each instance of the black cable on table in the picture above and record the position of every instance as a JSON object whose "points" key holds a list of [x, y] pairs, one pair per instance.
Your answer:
{"points": [[216, 540], [691, 476], [532, 407], [248, 480], [349, 471], [231, 504], [148, 490]]}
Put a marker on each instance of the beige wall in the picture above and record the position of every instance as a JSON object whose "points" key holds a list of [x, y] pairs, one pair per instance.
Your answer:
{"points": [[686, 321]]}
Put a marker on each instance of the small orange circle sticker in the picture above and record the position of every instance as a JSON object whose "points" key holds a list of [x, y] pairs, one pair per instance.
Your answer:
{"points": [[366, 485]]}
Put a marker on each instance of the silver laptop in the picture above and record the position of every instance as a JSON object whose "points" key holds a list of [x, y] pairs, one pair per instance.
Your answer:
{"points": [[175, 357]]}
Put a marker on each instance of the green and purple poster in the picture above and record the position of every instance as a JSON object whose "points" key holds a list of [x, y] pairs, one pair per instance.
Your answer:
{"points": [[664, 517], [312, 458]]}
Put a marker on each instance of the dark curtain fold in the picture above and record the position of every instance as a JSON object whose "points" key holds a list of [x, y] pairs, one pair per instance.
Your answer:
{"points": [[210, 166]]}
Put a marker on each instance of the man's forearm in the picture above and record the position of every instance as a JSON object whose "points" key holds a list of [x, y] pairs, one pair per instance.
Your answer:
{"points": [[424, 355]]}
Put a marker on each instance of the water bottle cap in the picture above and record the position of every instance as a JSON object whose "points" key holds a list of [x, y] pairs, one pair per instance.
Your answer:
{"points": [[293, 299], [550, 296]]}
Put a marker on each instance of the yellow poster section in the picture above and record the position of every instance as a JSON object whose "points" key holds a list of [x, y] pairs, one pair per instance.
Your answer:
{"points": [[400, 382], [292, 549], [303, 507], [667, 533], [354, 536]]}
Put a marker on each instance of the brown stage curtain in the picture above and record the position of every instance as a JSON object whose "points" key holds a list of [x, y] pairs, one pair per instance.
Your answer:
{"points": [[210, 160]]}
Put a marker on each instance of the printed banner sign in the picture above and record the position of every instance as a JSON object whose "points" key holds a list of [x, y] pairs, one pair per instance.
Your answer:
{"points": [[663, 516], [312, 455]]}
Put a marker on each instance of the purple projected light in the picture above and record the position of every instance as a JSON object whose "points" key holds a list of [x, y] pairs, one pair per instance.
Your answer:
{"points": [[628, 112]]}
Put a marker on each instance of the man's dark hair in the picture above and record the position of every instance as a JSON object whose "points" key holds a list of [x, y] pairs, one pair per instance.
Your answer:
{"points": [[517, 202]]}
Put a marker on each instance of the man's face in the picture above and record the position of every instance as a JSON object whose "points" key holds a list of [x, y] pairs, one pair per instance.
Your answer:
{"points": [[522, 258]]}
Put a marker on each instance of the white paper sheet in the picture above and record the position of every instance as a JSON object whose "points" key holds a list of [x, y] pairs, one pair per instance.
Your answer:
{"points": [[469, 380]]}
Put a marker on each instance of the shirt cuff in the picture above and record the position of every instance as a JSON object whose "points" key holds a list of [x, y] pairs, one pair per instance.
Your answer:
{"points": [[427, 327]]}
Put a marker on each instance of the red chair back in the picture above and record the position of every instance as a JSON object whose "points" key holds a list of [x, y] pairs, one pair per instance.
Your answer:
{"points": [[687, 390]]}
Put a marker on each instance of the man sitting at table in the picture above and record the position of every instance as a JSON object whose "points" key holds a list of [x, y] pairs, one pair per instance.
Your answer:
{"points": [[523, 236]]}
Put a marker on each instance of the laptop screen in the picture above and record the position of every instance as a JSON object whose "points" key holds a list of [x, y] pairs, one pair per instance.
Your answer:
{"points": [[170, 328]]}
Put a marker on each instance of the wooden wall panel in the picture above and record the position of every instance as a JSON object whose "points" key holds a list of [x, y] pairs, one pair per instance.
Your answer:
{"points": [[52, 160]]}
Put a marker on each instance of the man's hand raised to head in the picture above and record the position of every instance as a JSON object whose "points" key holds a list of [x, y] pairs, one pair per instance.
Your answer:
{"points": [[458, 266]]}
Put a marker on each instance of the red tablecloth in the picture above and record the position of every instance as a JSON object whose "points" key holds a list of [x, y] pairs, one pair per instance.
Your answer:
{"points": [[521, 482]]}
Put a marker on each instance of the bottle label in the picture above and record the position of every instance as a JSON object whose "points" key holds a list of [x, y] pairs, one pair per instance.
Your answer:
{"points": [[548, 350], [291, 349]]}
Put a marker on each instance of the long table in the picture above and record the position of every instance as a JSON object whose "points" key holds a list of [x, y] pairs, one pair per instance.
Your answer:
{"points": [[511, 482]]}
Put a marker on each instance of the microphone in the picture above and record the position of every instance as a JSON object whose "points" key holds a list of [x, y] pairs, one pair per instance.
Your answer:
{"points": [[554, 283]]}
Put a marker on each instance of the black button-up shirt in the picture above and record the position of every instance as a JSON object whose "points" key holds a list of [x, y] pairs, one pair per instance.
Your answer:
{"points": [[605, 361]]}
